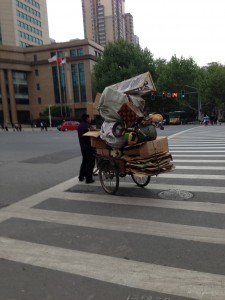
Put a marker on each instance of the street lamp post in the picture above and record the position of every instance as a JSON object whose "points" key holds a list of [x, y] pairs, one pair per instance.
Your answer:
{"points": [[199, 101], [50, 116]]}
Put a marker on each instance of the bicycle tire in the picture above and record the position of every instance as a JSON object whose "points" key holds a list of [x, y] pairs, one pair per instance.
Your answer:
{"points": [[109, 177], [141, 180]]}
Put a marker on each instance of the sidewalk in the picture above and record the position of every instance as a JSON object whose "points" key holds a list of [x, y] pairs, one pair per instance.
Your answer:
{"points": [[27, 129]]}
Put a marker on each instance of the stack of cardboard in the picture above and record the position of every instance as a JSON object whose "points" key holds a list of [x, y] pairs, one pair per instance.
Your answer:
{"points": [[148, 158]]}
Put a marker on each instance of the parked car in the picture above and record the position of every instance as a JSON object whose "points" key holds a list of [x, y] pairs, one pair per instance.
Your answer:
{"points": [[68, 125]]}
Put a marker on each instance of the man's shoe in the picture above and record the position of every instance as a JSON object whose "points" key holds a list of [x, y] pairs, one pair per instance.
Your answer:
{"points": [[81, 179], [95, 172], [91, 181]]}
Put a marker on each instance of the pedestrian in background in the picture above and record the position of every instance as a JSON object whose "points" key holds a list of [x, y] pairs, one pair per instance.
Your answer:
{"points": [[206, 119], [46, 126], [42, 126], [88, 158]]}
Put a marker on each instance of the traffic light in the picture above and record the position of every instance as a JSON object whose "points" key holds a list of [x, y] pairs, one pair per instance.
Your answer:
{"points": [[174, 95], [152, 95], [163, 95], [183, 94]]}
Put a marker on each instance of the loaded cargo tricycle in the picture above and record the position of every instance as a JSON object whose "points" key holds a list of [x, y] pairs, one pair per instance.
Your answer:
{"points": [[127, 143]]}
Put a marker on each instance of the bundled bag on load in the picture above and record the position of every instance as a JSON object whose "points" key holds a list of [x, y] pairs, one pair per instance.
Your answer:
{"points": [[114, 96], [106, 134], [146, 133], [110, 102]]}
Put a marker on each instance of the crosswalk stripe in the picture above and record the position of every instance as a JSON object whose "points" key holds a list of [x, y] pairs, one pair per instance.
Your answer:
{"points": [[173, 281], [196, 147], [200, 160], [170, 230], [197, 151], [192, 176], [200, 168], [184, 205], [182, 187], [189, 188], [197, 155], [197, 143]]}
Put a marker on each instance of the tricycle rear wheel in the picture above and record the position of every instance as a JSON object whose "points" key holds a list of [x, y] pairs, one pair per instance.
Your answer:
{"points": [[141, 180], [109, 177]]}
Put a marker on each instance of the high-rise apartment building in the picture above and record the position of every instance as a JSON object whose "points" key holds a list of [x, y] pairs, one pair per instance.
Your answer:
{"points": [[105, 21], [129, 26], [23, 23]]}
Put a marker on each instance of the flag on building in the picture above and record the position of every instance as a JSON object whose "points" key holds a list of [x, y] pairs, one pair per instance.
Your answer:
{"points": [[55, 60], [63, 61]]}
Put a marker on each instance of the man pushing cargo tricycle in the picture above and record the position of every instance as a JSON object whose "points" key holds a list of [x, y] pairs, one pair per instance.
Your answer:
{"points": [[127, 143]]}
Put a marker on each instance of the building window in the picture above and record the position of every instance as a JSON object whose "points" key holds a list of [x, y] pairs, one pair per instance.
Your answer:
{"points": [[76, 52], [38, 86], [82, 82], [75, 79], [39, 100], [78, 77], [20, 88], [72, 52], [80, 51], [35, 57], [59, 84], [36, 72]]}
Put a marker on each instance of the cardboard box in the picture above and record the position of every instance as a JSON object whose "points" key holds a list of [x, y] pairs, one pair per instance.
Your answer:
{"points": [[96, 141], [94, 133], [130, 113], [120, 165], [140, 84], [103, 152], [147, 149]]}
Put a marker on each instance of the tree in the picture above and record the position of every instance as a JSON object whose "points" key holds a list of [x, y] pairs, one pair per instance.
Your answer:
{"points": [[213, 88], [174, 76], [120, 61], [56, 111]]}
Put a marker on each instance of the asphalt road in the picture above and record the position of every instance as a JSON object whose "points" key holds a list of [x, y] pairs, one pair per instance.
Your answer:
{"points": [[62, 239], [32, 161]]}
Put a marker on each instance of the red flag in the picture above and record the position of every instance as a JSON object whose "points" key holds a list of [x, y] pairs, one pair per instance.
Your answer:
{"points": [[55, 60]]}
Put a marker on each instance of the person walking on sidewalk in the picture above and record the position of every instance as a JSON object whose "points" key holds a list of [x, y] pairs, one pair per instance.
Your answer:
{"points": [[88, 158]]}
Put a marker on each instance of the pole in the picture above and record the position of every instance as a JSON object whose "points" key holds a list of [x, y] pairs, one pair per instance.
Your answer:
{"points": [[64, 89], [199, 101], [60, 92], [50, 117]]}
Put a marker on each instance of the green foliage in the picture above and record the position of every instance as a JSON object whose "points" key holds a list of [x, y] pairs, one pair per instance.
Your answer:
{"points": [[176, 74], [56, 111], [120, 61], [212, 85]]}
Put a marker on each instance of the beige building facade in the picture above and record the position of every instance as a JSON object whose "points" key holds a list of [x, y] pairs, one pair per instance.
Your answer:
{"points": [[29, 84], [23, 23]]}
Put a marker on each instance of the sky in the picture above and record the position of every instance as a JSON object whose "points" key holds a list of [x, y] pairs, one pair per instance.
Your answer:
{"points": [[185, 28]]}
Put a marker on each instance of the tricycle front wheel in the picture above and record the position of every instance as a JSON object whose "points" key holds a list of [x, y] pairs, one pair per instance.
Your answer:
{"points": [[141, 180], [109, 177]]}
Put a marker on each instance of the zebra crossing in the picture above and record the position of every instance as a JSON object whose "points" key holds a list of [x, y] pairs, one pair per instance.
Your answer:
{"points": [[140, 245]]}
